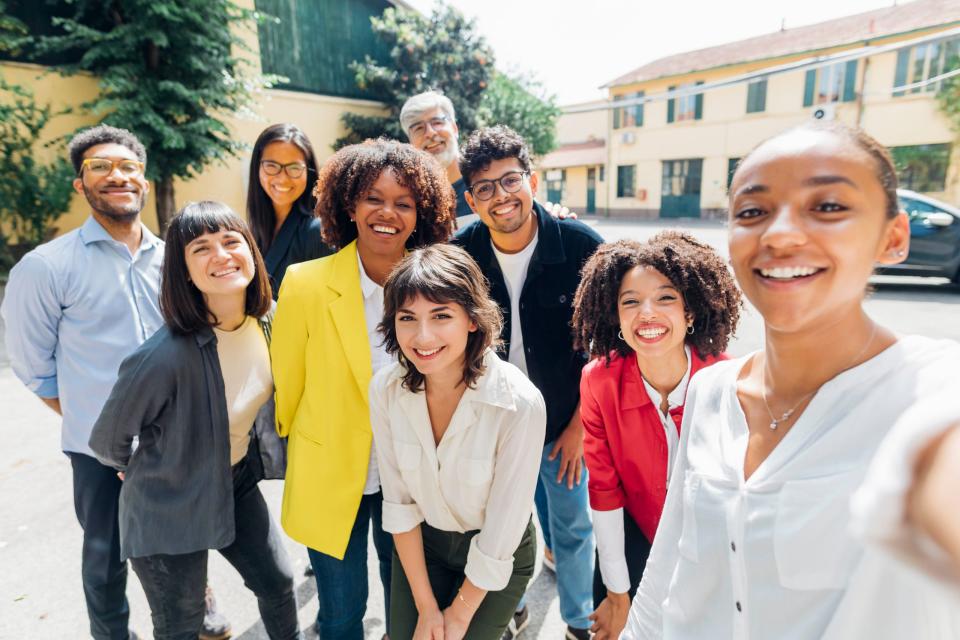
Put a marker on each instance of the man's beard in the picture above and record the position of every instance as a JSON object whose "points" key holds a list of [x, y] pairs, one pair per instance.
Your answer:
{"points": [[121, 213], [451, 153]]}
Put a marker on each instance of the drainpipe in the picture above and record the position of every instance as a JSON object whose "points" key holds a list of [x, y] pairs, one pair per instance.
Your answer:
{"points": [[863, 88]]}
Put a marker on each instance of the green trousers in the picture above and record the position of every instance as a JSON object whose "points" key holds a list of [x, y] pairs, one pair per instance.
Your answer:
{"points": [[446, 557]]}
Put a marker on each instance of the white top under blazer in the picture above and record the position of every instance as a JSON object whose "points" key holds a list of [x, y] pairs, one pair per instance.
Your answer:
{"points": [[772, 556]]}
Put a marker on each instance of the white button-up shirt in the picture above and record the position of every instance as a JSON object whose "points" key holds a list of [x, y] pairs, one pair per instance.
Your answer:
{"points": [[379, 358], [483, 473], [771, 556]]}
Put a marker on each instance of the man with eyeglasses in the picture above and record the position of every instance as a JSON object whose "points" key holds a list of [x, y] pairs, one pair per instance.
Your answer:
{"points": [[533, 261], [74, 308]]}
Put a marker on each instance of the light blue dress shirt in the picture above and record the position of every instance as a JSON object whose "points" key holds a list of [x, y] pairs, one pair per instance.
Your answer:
{"points": [[74, 308]]}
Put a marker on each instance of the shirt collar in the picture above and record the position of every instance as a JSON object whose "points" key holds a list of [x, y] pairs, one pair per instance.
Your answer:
{"points": [[367, 285], [678, 396], [92, 231], [494, 386]]}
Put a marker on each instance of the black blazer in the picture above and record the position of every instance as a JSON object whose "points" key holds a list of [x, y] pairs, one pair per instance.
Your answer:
{"points": [[298, 240], [546, 306]]}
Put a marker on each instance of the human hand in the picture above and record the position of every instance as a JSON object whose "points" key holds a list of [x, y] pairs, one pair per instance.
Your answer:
{"points": [[569, 446], [610, 617], [121, 475], [559, 211], [456, 620], [429, 626]]}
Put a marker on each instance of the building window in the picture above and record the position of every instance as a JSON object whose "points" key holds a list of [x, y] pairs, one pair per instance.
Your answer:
{"points": [[757, 96], [626, 181], [922, 167], [628, 116], [832, 83], [731, 169], [555, 181], [688, 106], [924, 62]]}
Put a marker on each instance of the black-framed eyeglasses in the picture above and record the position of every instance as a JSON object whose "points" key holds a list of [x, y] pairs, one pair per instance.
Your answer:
{"points": [[293, 169], [436, 122], [510, 182]]}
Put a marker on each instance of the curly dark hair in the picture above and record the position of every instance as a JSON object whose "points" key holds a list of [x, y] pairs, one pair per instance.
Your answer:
{"points": [[442, 273], [348, 175], [492, 143], [103, 134], [693, 267]]}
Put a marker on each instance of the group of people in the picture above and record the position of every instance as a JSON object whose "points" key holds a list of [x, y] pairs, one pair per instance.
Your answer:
{"points": [[431, 385]]}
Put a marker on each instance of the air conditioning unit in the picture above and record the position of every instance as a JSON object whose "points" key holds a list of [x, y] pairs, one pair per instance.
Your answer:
{"points": [[628, 137], [825, 112]]}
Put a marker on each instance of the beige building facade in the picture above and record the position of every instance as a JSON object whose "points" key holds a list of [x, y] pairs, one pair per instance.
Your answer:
{"points": [[672, 151]]}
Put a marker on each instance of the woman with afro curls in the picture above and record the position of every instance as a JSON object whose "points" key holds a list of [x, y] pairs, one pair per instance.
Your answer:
{"points": [[651, 315], [376, 201]]}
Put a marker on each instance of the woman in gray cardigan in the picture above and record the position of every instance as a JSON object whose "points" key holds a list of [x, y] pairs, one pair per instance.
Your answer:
{"points": [[199, 396]]}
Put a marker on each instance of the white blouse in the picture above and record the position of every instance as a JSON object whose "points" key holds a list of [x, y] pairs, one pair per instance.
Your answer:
{"points": [[771, 556], [483, 473]]}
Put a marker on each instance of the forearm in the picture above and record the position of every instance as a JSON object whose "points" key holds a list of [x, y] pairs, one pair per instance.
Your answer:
{"points": [[53, 403], [468, 599], [933, 504], [409, 546]]}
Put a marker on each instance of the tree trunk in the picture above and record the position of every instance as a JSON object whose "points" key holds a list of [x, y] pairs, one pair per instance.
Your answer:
{"points": [[166, 207]]}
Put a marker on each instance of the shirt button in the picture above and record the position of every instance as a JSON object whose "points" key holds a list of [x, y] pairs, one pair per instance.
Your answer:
{"points": [[739, 608], [733, 547]]}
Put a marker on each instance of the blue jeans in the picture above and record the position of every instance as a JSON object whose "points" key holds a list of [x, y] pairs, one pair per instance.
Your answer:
{"points": [[342, 584], [564, 516]]}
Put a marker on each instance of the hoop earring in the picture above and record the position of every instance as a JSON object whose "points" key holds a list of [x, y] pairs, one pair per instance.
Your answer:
{"points": [[690, 329], [620, 335]]}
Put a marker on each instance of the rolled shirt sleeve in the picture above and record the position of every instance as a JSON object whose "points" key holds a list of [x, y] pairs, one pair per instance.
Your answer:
{"points": [[490, 559], [611, 549], [400, 512], [32, 311]]}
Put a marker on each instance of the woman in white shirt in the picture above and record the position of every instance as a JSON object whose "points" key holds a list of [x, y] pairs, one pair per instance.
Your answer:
{"points": [[754, 541], [458, 434]]}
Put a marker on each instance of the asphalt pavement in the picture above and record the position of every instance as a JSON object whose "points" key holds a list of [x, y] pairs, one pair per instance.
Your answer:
{"points": [[40, 589]]}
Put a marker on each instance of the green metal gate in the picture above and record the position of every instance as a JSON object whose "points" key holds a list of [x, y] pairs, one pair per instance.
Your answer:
{"points": [[591, 190], [680, 189]]}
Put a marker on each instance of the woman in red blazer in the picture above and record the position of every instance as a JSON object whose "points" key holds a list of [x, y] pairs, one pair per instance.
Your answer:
{"points": [[651, 315]]}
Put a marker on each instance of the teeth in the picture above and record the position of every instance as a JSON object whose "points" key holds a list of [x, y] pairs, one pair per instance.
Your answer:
{"points": [[217, 274], [503, 210], [651, 333], [427, 353], [382, 229], [786, 273]]}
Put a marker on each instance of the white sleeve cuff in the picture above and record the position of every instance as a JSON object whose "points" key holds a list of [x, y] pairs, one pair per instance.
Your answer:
{"points": [[400, 518], [485, 571], [608, 528]]}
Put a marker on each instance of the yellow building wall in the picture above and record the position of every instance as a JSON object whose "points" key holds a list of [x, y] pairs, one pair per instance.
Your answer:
{"points": [[727, 131]]}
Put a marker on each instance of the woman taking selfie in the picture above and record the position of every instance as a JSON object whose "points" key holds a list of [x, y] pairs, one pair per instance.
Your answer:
{"points": [[198, 395], [754, 539], [652, 315], [458, 433], [376, 200], [280, 201]]}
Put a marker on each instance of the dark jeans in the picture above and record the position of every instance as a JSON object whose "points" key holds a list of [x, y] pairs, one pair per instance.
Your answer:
{"points": [[342, 584], [175, 584], [96, 495], [637, 550], [445, 554]]}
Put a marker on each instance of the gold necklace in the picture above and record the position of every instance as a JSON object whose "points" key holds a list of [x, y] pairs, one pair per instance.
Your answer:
{"points": [[775, 421]]}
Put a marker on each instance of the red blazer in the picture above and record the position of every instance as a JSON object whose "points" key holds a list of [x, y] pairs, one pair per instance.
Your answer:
{"points": [[624, 444]]}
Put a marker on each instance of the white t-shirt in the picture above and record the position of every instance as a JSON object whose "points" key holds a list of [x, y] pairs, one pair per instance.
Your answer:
{"points": [[514, 267], [379, 358], [772, 556]]}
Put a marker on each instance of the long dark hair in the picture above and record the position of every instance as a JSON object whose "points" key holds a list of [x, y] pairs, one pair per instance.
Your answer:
{"points": [[181, 303], [259, 206], [442, 273]]}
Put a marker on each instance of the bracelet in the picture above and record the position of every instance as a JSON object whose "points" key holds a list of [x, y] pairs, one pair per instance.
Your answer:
{"points": [[464, 601]]}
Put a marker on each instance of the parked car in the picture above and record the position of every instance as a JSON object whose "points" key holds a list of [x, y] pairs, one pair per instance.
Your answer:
{"points": [[934, 238]]}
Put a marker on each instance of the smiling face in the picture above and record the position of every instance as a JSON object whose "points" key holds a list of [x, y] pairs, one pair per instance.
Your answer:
{"points": [[435, 133], [433, 336], [220, 263], [385, 216], [653, 320], [282, 190], [117, 196], [808, 223], [505, 213]]}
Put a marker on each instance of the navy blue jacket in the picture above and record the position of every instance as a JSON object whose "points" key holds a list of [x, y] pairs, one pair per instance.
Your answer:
{"points": [[546, 306], [298, 240]]}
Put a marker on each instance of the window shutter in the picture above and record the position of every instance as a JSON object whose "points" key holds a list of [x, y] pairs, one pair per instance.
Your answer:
{"points": [[670, 106], [850, 81], [616, 118], [903, 63], [762, 96], [638, 110], [809, 86], [698, 105]]}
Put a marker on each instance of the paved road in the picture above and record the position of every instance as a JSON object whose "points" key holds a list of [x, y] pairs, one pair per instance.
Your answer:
{"points": [[40, 593]]}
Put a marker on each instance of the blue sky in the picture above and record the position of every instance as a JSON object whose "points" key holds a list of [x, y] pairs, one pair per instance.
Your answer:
{"points": [[575, 46]]}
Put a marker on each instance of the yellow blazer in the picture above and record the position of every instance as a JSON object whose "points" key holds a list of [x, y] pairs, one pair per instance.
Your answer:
{"points": [[321, 368]]}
